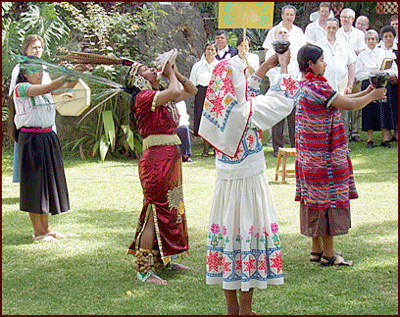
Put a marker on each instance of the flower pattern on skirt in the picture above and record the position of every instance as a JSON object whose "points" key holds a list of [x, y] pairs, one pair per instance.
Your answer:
{"points": [[253, 256]]}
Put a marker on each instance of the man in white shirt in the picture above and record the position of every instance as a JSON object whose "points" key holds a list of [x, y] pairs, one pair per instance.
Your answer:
{"points": [[224, 51], [316, 30], [296, 35], [277, 131], [340, 62], [356, 40], [394, 21], [362, 23], [354, 37]]}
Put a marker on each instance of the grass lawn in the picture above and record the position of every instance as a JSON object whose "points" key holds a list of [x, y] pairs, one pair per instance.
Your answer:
{"points": [[89, 273]]}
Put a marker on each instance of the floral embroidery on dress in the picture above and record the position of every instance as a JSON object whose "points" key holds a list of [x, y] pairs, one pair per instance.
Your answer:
{"points": [[252, 257], [175, 201]]}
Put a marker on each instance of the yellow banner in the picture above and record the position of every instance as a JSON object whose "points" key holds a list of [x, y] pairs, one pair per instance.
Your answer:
{"points": [[251, 15]]}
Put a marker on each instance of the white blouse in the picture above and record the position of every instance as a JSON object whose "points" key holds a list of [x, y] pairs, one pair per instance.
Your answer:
{"points": [[201, 72], [371, 60]]}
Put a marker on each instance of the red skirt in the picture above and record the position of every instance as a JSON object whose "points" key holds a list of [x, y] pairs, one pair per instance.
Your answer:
{"points": [[160, 172]]}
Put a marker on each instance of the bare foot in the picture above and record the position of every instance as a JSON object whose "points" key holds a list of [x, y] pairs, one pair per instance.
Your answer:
{"points": [[154, 279], [178, 267]]}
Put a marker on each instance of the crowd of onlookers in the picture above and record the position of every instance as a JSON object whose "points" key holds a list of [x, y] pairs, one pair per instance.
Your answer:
{"points": [[353, 50]]}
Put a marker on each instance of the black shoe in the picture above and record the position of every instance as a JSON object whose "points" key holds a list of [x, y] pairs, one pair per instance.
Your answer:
{"points": [[387, 144], [370, 144]]}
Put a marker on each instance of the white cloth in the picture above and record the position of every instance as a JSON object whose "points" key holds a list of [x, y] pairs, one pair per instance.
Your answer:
{"points": [[355, 38], [253, 60], [371, 60], [38, 111], [314, 32], [296, 37], [233, 125], [183, 115], [222, 52], [201, 72], [337, 57], [243, 245]]}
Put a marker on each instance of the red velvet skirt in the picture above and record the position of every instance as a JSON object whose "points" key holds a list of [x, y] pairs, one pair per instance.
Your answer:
{"points": [[160, 172]]}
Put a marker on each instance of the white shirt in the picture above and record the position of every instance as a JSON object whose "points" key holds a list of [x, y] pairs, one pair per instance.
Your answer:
{"points": [[371, 60], [201, 72], [296, 37], [337, 57], [183, 115], [314, 32], [38, 111], [293, 67], [355, 38], [222, 52], [253, 60]]}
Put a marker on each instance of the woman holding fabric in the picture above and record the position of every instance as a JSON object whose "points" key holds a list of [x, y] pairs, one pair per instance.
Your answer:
{"points": [[161, 236]]}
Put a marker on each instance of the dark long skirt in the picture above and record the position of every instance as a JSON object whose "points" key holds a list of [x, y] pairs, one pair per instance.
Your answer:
{"points": [[160, 171], [381, 115], [198, 108], [43, 186]]}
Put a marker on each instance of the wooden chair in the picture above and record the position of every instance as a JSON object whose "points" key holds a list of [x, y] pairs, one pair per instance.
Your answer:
{"points": [[285, 152]]}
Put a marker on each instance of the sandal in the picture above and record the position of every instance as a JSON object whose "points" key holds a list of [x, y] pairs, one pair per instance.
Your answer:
{"points": [[331, 261], [143, 277], [319, 255]]}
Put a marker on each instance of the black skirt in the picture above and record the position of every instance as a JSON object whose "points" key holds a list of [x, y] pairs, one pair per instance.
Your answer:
{"points": [[198, 108], [381, 115], [43, 187]]}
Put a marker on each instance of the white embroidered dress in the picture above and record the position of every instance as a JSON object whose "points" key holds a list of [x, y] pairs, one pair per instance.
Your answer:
{"points": [[243, 245]]}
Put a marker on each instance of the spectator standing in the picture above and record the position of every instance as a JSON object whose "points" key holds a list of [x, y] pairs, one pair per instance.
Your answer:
{"points": [[200, 76], [316, 30], [183, 132], [225, 51], [274, 74], [340, 60], [296, 35], [388, 34], [251, 60], [362, 23], [380, 115], [354, 37], [394, 22]]}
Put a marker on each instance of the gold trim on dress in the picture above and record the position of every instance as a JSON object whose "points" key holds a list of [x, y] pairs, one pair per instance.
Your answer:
{"points": [[160, 139]]}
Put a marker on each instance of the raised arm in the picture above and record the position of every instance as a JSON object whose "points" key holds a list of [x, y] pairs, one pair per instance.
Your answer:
{"points": [[174, 89], [189, 88]]}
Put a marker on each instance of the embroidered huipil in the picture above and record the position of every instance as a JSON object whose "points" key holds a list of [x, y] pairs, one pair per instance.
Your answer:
{"points": [[324, 174]]}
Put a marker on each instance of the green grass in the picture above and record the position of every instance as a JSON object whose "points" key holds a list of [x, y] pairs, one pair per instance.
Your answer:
{"points": [[89, 273]]}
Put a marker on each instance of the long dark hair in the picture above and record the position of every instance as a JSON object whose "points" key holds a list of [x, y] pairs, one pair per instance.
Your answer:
{"points": [[12, 129], [308, 52]]}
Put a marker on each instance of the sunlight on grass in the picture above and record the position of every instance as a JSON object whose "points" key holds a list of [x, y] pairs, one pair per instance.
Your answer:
{"points": [[90, 273]]}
